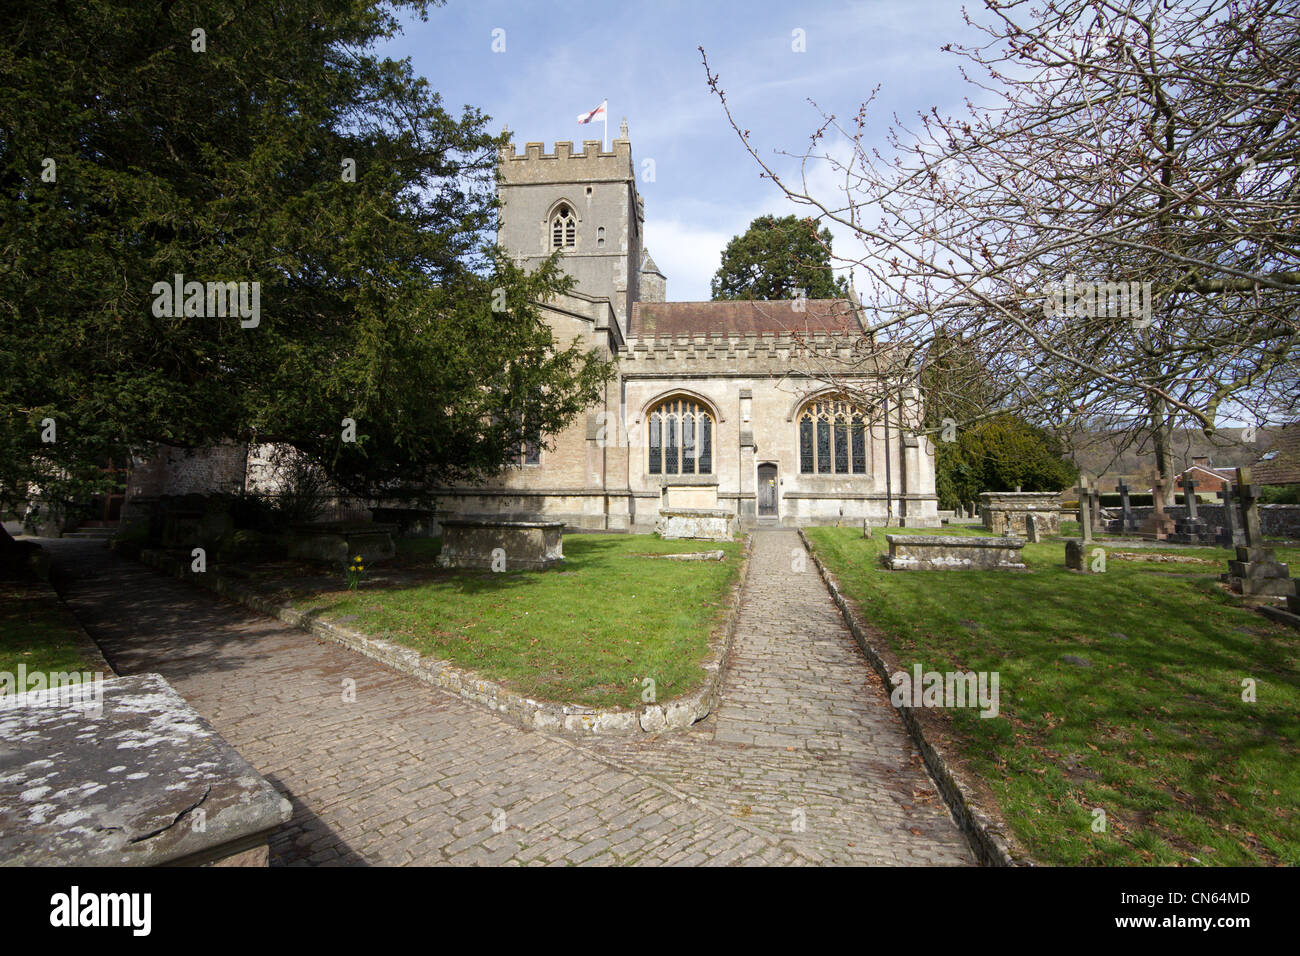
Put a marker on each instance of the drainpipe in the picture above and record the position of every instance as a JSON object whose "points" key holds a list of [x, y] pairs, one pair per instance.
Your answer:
{"points": [[889, 485]]}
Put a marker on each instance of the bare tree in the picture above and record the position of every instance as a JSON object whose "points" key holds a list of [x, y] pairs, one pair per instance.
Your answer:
{"points": [[1110, 235]]}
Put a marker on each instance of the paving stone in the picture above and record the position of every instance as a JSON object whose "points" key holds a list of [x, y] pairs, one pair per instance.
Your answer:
{"points": [[411, 774]]}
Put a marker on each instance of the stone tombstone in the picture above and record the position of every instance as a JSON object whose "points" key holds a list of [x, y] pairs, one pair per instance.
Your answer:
{"points": [[1085, 509], [118, 765], [1005, 512], [1158, 525], [1094, 510], [1191, 530], [708, 524], [491, 544], [1031, 528], [866, 527], [1126, 522], [1231, 535], [1256, 570], [1074, 556], [924, 552], [338, 542]]}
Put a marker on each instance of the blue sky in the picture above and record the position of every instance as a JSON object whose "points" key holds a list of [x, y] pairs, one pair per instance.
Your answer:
{"points": [[563, 58]]}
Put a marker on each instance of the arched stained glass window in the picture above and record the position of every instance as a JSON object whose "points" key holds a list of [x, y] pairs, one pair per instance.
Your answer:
{"points": [[681, 438], [564, 228], [832, 439]]}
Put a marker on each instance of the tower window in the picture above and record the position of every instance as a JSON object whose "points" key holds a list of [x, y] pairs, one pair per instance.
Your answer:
{"points": [[600, 236], [564, 229]]}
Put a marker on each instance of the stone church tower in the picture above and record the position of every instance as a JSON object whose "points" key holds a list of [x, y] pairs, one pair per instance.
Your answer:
{"points": [[583, 204]]}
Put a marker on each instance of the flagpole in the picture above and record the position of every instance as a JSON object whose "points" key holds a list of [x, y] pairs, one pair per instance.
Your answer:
{"points": [[605, 135]]}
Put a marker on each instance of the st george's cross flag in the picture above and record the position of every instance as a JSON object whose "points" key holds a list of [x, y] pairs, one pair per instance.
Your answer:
{"points": [[597, 114]]}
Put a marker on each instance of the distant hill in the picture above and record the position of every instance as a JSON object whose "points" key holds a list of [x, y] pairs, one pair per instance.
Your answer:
{"points": [[1099, 455]]}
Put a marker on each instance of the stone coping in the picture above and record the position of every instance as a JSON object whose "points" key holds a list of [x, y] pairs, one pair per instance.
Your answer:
{"points": [[489, 522], [117, 782], [954, 541], [676, 714], [697, 512], [988, 837]]}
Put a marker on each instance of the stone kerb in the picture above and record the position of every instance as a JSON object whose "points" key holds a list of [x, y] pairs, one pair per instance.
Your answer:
{"points": [[988, 837], [1004, 512], [676, 714], [926, 552], [135, 763], [490, 544]]}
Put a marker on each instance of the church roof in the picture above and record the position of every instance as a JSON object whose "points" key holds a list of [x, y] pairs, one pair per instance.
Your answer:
{"points": [[742, 317], [648, 264]]}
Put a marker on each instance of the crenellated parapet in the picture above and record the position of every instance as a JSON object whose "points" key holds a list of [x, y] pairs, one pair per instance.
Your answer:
{"points": [[762, 353], [564, 165]]}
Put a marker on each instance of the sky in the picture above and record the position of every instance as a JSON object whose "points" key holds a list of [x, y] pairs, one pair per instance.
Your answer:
{"points": [[561, 59]]}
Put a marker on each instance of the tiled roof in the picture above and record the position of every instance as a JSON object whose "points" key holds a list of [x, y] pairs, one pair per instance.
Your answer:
{"points": [[741, 317], [1282, 466]]}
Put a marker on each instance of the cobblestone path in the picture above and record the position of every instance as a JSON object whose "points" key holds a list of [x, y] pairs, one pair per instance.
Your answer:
{"points": [[804, 762]]}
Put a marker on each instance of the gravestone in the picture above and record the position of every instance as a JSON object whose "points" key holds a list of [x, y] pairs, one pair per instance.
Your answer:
{"points": [[1256, 571], [1192, 529], [1094, 510], [1158, 525], [491, 544], [108, 772], [1127, 522], [1031, 528], [1085, 517], [924, 552], [866, 527], [1076, 556], [1230, 534]]}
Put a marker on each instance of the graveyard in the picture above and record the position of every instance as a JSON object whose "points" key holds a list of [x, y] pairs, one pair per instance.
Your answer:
{"points": [[1121, 689], [585, 631]]}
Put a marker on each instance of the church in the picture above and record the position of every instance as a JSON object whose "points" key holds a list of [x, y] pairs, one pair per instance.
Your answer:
{"points": [[733, 406], [737, 406]]}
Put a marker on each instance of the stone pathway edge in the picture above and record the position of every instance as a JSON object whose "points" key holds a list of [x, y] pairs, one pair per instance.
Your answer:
{"points": [[676, 714], [988, 837]]}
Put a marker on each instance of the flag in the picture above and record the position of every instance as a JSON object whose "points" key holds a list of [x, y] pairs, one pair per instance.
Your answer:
{"points": [[597, 114]]}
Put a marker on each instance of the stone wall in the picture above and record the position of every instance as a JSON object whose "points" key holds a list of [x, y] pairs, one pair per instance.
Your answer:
{"points": [[1276, 521]]}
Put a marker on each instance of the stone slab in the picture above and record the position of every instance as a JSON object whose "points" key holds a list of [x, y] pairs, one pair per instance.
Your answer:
{"points": [[340, 541], [705, 524], [491, 544], [930, 552], [117, 777]]}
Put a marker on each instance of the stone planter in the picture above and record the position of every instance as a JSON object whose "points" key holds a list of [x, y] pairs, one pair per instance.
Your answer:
{"points": [[930, 552], [488, 544], [338, 542], [703, 523]]}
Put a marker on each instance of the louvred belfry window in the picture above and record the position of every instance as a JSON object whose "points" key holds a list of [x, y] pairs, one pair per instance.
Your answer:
{"points": [[832, 439], [681, 438], [564, 229]]}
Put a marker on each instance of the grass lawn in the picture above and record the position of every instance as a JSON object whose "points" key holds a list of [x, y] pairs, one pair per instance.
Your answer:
{"points": [[1154, 731], [587, 632], [36, 630]]}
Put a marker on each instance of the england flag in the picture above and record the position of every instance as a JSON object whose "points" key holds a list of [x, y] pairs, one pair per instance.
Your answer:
{"points": [[597, 114]]}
